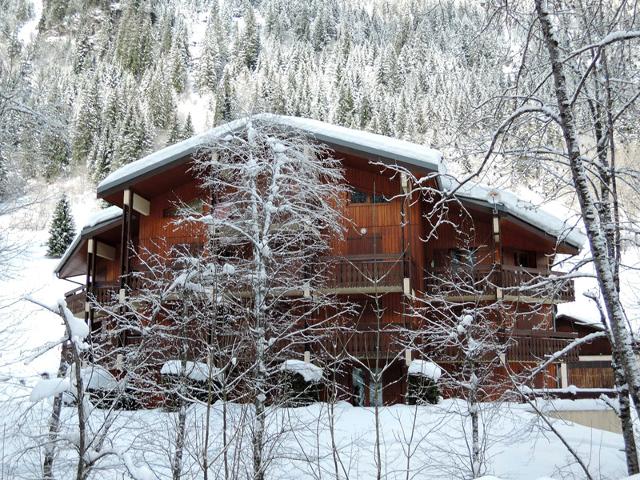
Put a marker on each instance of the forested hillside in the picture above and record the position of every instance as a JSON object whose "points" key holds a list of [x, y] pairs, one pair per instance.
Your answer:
{"points": [[100, 83]]}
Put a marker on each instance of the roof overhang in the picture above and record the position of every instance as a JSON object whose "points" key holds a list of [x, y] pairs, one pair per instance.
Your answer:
{"points": [[377, 148], [73, 261]]}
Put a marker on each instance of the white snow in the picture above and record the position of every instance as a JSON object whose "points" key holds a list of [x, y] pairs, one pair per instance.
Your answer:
{"points": [[105, 215], [425, 369], [49, 387], [30, 28], [198, 371], [310, 372], [78, 330], [96, 377], [519, 208], [322, 131]]}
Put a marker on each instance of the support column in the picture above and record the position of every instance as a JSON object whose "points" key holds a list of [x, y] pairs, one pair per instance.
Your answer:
{"points": [[564, 375], [125, 240], [497, 241], [89, 283]]}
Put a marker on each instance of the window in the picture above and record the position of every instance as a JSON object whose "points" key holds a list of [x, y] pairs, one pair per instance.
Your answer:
{"points": [[195, 205], [462, 258], [379, 199], [524, 259], [358, 196]]}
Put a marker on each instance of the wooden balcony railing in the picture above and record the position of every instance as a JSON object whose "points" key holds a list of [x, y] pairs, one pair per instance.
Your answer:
{"points": [[104, 294], [501, 281], [369, 273]]}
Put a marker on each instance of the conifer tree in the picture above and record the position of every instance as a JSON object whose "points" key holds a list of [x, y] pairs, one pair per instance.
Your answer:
{"points": [[4, 176], [175, 132], [62, 229], [87, 122], [187, 131], [250, 40]]}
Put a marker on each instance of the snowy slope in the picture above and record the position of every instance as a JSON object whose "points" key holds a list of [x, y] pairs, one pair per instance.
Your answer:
{"points": [[25, 326]]}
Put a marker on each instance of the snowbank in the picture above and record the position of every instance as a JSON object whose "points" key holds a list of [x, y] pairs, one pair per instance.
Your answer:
{"points": [[49, 388], [198, 371], [424, 368], [98, 378], [310, 372]]}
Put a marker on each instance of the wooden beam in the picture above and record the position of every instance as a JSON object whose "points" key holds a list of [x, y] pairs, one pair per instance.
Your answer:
{"points": [[141, 205], [104, 250]]}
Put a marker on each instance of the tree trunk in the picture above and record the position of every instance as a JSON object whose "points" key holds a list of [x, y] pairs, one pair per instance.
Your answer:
{"points": [[54, 423], [597, 239]]}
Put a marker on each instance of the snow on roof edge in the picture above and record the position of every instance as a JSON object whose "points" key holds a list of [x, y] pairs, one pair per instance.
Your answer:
{"points": [[165, 156], [526, 211], [388, 147], [98, 219]]}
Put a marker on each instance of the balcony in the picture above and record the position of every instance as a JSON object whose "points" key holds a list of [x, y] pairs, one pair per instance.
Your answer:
{"points": [[104, 294], [499, 282], [368, 274]]}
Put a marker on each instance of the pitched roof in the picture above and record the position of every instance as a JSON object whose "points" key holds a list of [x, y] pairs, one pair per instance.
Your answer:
{"points": [[377, 147], [508, 202], [333, 135], [100, 219]]}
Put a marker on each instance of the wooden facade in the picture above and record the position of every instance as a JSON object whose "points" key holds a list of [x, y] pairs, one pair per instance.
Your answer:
{"points": [[496, 256]]}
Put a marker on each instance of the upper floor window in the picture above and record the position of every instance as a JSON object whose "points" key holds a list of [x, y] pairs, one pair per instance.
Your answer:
{"points": [[196, 205], [358, 196], [524, 259], [462, 258]]}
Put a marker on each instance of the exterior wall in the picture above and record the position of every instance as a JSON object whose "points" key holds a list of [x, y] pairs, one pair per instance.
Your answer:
{"points": [[157, 233], [389, 228]]}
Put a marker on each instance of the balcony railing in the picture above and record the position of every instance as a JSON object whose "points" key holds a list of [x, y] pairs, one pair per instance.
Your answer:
{"points": [[500, 282], [103, 293], [368, 274]]}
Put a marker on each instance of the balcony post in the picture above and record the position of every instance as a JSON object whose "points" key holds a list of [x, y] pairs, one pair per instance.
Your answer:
{"points": [[497, 241], [125, 238], [90, 282], [564, 375]]}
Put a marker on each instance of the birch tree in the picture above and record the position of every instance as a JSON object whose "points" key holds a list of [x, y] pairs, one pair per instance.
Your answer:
{"points": [[569, 109], [275, 207]]}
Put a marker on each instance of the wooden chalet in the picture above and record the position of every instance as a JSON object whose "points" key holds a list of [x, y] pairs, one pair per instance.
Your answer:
{"points": [[504, 246]]}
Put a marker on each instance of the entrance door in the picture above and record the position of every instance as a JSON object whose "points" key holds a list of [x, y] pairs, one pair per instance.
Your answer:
{"points": [[367, 391]]}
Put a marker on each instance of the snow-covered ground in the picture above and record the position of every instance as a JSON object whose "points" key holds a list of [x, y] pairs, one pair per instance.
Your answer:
{"points": [[25, 326], [518, 446]]}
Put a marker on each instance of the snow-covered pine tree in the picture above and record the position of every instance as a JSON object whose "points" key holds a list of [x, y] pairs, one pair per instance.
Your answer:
{"points": [[179, 60], [62, 229], [87, 122], [250, 39], [4, 174], [187, 131], [175, 132]]}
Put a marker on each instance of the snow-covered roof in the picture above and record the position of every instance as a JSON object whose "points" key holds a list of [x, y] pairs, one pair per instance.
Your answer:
{"points": [[198, 371], [378, 147], [508, 202], [94, 222], [333, 135], [425, 368], [310, 372]]}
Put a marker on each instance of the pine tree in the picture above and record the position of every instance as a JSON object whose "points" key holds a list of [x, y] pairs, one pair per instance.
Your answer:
{"points": [[179, 60], [62, 229], [87, 123], [4, 176], [250, 40], [187, 131], [175, 132]]}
